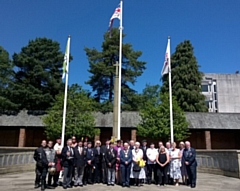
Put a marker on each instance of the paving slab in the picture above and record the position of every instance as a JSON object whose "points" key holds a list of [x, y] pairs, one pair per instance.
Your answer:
{"points": [[205, 182]]}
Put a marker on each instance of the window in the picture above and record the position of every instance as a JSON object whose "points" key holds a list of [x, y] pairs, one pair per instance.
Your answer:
{"points": [[216, 105], [204, 88], [207, 104], [215, 88], [215, 96]]}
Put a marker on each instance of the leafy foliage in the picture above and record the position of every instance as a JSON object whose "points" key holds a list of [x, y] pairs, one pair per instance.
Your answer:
{"points": [[79, 117], [38, 76], [155, 121], [186, 79], [102, 70]]}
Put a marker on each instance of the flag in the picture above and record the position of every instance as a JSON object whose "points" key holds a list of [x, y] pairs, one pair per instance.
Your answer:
{"points": [[165, 69], [66, 60], [116, 15]]}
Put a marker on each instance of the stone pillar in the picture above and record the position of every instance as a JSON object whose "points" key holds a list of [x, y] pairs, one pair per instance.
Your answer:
{"points": [[208, 140], [133, 134], [22, 137]]}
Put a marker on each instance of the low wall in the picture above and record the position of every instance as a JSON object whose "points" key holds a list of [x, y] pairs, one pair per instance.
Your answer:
{"points": [[17, 161], [221, 162], [16, 149]]}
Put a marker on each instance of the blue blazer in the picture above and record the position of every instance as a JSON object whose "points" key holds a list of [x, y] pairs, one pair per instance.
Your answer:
{"points": [[190, 156], [124, 158]]}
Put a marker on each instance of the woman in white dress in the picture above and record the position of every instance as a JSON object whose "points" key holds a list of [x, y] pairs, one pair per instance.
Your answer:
{"points": [[137, 155], [175, 165]]}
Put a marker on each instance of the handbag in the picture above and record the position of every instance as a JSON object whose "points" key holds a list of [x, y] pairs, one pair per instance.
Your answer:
{"points": [[136, 167]]}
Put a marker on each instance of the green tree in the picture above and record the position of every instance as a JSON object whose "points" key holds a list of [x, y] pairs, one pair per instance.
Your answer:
{"points": [[186, 79], [6, 75], [155, 120], [38, 74], [102, 68], [79, 117]]}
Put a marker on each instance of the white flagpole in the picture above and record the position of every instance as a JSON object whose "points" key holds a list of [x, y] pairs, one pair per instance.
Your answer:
{"points": [[170, 92], [120, 73], [65, 95]]}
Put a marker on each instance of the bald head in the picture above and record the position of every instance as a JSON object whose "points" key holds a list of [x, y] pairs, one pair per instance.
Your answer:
{"points": [[168, 145], [187, 144]]}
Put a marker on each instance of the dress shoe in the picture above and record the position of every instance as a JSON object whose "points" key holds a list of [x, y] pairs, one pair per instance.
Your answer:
{"points": [[36, 185], [123, 185], [193, 185], [64, 187]]}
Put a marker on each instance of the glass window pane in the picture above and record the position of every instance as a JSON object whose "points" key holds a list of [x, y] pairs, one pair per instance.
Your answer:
{"points": [[204, 88]]}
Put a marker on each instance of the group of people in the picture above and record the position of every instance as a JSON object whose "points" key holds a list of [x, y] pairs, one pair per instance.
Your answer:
{"points": [[125, 164]]}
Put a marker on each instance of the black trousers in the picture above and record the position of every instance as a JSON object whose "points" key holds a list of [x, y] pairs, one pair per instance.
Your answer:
{"points": [[152, 169], [41, 173], [162, 172], [192, 174], [89, 173], [97, 172], [104, 173]]}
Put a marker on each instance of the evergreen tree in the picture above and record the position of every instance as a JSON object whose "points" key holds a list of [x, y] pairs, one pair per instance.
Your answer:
{"points": [[186, 79], [102, 69], [6, 74], [155, 120], [79, 117], [38, 76]]}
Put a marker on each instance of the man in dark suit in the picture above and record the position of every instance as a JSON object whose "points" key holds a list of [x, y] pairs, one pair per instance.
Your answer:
{"points": [[79, 163], [90, 158], [41, 165], [144, 148], [104, 149], [125, 164], [189, 156], [97, 162], [67, 162], [111, 159]]}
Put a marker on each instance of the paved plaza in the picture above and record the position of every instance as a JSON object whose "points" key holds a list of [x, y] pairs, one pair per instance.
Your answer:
{"points": [[206, 182]]}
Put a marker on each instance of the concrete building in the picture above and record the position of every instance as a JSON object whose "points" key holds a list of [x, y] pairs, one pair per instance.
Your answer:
{"points": [[222, 92]]}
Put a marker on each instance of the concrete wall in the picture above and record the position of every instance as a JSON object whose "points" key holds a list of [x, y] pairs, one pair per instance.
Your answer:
{"points": [[16, 162], [228, 92], [221, 162]]}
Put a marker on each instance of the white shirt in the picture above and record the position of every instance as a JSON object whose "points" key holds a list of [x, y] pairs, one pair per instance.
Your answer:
{"points": [[152, 154], [57, 147]]}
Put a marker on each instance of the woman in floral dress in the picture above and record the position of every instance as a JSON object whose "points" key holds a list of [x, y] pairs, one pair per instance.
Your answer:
{"points": [[175, 165]]}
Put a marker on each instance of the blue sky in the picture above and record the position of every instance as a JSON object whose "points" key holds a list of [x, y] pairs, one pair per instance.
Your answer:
{"points": [[213, 27]]}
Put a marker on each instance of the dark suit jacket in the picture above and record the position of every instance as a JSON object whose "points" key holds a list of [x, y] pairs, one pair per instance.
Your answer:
{"points": [[90, 155], [97, 156], [144, 153], [190, 156], [66, 161], [103, 154], [40, 157], [128, 158], [111, 158], [80, 158]]}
